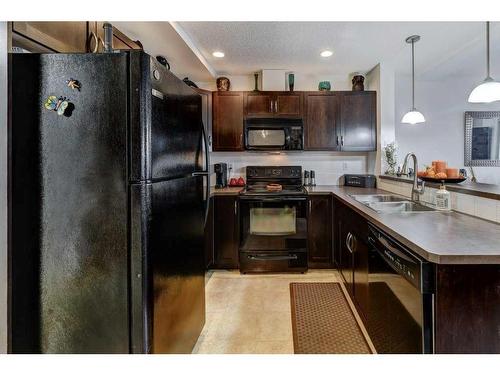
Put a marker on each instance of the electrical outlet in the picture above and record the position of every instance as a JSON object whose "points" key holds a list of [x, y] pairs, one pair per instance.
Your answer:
{"points": [[344, 166]]}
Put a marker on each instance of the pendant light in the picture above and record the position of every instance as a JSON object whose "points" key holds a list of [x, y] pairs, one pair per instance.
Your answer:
{"points": [[489, 90], [413, 116]]}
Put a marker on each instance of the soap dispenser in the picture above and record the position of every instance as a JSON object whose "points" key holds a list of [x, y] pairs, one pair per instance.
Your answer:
{"points": [[443, 199]]}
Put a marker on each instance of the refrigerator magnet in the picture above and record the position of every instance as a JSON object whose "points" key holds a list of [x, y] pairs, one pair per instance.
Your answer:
{"points": [[60, 105], [74, 84]]}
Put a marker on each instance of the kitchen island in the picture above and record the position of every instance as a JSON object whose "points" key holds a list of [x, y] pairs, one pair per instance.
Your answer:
{"points": [[464, 255]]}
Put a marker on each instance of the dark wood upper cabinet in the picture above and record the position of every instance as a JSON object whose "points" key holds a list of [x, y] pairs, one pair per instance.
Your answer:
{"points": [[259, 104], [273, 104], [67, 37], [225, 224], [288, 104], [358, 119], [63, 37], [227, 121], [320, 125], [333, 121], [319, 238]]}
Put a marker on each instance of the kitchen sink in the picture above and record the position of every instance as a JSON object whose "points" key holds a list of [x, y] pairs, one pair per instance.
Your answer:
{"points": [[371, 198], [399, 207], [387, 203]]}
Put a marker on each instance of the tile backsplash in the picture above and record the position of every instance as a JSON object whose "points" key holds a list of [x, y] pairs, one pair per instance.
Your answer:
{"points": [[329, 166], [484, 208]]}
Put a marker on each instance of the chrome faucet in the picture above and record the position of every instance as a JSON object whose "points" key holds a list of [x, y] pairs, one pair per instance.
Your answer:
{"points": [[417, 190]]}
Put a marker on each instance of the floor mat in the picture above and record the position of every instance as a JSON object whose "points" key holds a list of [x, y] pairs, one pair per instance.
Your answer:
{"points": [[323, 322]]}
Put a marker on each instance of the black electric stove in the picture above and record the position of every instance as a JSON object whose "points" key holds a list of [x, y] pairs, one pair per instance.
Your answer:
{"points": [[273, 224]]}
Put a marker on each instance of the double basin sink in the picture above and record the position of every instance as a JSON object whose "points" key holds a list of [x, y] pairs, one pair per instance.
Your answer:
{"points": [[387, 203]]}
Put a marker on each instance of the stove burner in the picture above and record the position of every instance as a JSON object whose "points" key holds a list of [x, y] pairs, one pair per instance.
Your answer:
{"points": [[289, 177]]}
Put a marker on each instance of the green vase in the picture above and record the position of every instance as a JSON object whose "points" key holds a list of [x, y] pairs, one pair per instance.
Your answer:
{"points": [[324, 86], [291, 81]]}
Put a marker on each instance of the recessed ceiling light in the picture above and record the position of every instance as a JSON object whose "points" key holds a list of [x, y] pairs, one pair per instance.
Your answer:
{"points": [[218, 54], [326, 53]]}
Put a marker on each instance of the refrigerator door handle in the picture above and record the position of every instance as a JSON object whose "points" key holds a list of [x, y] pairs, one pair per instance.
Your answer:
{"points": [[206, 172]]}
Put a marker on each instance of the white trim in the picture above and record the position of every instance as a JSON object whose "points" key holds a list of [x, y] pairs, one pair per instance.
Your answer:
{"points": [[189, 42]]}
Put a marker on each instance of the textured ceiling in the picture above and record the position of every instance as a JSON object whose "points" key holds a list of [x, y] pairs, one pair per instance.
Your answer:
{"points": [[446, 48]]}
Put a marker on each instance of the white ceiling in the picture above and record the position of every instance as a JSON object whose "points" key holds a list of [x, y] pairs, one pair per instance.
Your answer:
{"points": [[446, 48]]}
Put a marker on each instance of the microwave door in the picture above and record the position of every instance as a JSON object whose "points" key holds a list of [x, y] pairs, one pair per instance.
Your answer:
{"points": [[262, 138]]}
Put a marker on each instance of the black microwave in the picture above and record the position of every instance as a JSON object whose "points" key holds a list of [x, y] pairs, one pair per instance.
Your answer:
{"points": [[274, 134]]}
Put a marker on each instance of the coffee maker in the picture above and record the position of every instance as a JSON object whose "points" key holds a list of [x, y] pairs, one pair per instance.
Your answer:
{"points": [[220, 175]]}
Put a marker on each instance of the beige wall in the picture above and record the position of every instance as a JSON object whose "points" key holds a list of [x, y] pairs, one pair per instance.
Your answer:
{"points": [[3, 187], [303, 82]]}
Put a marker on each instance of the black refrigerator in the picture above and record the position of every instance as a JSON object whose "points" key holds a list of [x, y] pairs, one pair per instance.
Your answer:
{"points": [[108, 201]]}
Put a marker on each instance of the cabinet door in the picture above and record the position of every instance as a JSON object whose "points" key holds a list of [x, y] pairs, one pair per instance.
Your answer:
{"points": [[209, 235], [227, 121], [358, 119], [346, 255], [319, 240], [60, 37], [226, 231], [321, 121], [288, 104], [259, 104]]}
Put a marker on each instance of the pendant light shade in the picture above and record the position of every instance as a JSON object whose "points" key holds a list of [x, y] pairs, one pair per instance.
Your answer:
{"points": [[413, 116], [489, 90]]}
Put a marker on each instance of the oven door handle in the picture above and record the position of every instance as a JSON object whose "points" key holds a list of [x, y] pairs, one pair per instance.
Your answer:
{"points": [[262, 199], [273, 257]]}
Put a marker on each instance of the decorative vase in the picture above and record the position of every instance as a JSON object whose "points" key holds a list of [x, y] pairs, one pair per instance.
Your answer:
{"points": [[256, 76], [324, 86], [358, 83], [291, 81], [223, 84]]}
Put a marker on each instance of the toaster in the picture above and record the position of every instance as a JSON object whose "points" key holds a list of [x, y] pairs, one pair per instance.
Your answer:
{"points": [[360, 180]]}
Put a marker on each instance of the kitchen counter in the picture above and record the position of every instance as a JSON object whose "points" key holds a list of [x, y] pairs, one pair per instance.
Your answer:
{"points": [[490, 191], [230, 190], [439, 237]]}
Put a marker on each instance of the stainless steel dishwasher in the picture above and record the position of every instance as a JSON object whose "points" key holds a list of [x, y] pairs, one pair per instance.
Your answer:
{"points": [[401, 297]]}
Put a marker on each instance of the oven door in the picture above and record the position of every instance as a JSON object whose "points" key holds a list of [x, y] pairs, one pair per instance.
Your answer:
{"points": [[273, 234]]}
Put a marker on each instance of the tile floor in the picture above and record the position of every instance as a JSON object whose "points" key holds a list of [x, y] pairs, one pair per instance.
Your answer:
{"points": [[250, 314]]}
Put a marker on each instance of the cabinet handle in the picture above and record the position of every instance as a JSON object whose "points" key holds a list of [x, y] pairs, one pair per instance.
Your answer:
{"points": [[276, 106], [337, 140], [271, 106], [347, 241], [235, 208], [342, 140], [310, 207], [353, 243]]}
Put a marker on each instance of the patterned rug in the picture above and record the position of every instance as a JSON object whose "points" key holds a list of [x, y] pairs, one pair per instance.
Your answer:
{"points": [[323, 322]]}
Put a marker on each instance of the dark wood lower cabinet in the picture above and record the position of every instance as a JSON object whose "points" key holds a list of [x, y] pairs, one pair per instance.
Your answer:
{"points": [[351, 252], [467, 309], [209, 235], [226, 238], [319, 239]]}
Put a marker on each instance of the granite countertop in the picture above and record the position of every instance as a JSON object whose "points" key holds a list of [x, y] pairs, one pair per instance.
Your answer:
{"points": [[230, 190], [467, 187], [439, 237]]}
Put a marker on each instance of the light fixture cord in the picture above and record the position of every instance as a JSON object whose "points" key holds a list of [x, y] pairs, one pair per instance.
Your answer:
{"points": [[488, 49], [413, 75]]}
